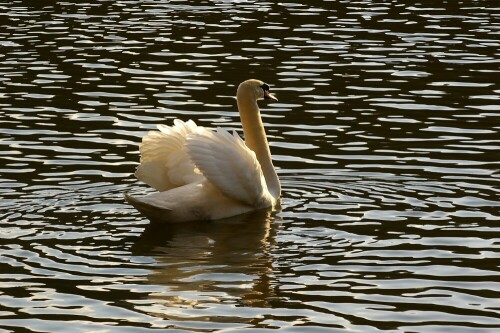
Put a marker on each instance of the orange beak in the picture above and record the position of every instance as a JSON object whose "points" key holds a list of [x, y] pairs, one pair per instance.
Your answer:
{"points": [[268, 95]]}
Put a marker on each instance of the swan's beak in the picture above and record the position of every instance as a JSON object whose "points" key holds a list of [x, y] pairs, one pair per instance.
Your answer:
{"points": [[268, 95]]}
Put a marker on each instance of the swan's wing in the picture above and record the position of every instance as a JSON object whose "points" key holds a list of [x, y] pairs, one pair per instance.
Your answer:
{"points": [[165, 163], [229, 164]]}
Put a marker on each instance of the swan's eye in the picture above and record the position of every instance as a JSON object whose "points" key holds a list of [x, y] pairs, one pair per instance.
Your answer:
{"points": [[265, 87]]}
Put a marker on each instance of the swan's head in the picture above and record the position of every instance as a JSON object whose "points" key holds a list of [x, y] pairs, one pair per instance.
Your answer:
{"points": [[256, 89]]}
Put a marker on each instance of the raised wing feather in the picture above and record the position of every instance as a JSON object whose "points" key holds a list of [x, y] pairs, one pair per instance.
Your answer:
{"points": [[229, 164], [165, 163]]}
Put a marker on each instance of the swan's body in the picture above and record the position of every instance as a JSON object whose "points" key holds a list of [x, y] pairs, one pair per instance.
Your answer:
{"points": [[205, 175]]}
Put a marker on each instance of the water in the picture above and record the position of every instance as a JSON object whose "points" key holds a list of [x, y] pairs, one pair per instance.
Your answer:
{"points": [[385, 139]]}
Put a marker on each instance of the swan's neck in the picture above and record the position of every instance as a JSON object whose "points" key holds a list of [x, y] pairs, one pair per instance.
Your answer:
{"points": [[256, 140]]}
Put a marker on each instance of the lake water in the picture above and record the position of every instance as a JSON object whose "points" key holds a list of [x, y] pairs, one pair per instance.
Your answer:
{"points": [[385, 138]]}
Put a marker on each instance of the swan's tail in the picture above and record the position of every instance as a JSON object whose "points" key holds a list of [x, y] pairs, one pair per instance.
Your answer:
{"points": [[152, 212]]}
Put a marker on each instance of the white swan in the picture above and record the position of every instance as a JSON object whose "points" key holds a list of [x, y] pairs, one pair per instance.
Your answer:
{"points": [[205, 175]]}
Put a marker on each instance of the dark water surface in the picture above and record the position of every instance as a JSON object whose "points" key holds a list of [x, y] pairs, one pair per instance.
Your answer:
{"points": [[386, 139]]}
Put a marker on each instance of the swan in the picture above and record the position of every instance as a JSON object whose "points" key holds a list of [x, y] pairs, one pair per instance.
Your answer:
{"points": [[200, 174]]}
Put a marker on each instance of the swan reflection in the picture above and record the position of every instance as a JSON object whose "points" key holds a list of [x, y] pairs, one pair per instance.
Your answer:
{"points": [[202, 265]]}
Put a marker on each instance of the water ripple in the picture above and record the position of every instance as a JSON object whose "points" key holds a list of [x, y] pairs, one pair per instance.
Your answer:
{"points": [[384, 139]]}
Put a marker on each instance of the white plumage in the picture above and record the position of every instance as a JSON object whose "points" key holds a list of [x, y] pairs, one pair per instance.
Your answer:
{"points": [[165, 163], [203, 174], [229, 164]]}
